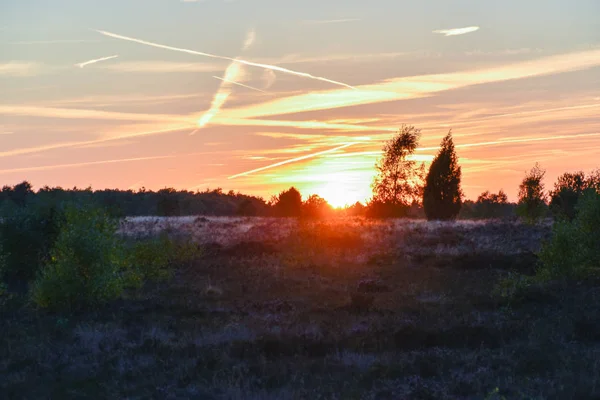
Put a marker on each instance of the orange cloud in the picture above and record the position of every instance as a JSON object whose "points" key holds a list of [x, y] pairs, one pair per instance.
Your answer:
{"points": [[417, 86]]}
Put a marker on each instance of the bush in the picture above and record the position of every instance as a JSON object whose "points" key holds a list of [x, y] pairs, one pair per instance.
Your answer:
{"points": [[26, 237], [574, 250], [85, 263], [288, 203], [532, 197]]}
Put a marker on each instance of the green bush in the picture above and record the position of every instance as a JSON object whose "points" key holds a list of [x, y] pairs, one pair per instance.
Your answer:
{"points": [[26, 237], [574, 250], [85, 262], [153, 259]]}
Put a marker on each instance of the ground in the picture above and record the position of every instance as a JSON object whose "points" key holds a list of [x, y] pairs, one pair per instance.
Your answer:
{"points": [[345, 309]]}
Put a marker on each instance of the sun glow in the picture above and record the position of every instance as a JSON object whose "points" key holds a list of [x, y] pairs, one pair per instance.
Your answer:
{"points": [[339, 194]]}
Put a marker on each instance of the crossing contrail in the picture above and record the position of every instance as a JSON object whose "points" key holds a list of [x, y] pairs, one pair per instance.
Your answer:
{"points": [[83, 64], [239, 84], [293, 160], [237, 60]]}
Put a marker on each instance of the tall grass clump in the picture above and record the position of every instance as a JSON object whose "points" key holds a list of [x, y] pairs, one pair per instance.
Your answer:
{"points": [[574, 250], [85, 263]]}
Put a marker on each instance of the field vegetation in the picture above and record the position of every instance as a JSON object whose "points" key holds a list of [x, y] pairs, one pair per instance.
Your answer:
{"points": [[307, 302]]}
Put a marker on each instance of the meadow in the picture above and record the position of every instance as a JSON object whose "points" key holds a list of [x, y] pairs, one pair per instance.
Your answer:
{"points": [[349, 308]]}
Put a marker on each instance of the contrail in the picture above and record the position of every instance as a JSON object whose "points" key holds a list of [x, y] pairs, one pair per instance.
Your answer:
{"points": [[522, 140], [83, 64], [457, 31], [239, 84], [293, 160], [238, 60], [221, 96], [232, 73]]}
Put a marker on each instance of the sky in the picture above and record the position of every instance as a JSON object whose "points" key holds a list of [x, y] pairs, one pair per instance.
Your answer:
{"points": [[260, 95]]}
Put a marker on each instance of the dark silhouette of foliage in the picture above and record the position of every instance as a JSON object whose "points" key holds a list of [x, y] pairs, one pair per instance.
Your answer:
{"points": [[18, 194], [247, 209], [442, 195], [398, 182], [288, 203], [488, 205], [133, 203], [316, 207], [356, 210], [380, 209], [532, 197], [168, 205], [26, 237], [574, 250], [568, 189]]}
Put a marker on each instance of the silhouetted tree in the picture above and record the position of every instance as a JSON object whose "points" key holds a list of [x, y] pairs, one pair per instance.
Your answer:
{"points": [[20, 193], [288, 203], [488, 205], [168, 203], [568, 189], [442, 195], [247, 209], [355, 210], [399, 179], [532, 197], [316, 207]]}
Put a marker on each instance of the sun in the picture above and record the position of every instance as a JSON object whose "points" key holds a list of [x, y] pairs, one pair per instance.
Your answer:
{"points": [[339, 194]]}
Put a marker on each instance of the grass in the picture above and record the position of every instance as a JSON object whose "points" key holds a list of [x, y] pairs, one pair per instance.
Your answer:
{"points": [[350, 309]]}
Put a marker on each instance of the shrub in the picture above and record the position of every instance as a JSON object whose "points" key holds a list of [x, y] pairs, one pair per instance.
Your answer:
{"points": [[288, 203], [26, 237], [85, 262], [153, 259], [316, 207], [532, 197], [574, 250]]}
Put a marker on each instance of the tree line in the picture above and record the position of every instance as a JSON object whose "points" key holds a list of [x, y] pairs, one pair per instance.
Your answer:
{"points": [[402, 187]]}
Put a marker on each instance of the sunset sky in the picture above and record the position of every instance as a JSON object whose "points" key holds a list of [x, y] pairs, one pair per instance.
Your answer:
{"points": [[260, 95]]}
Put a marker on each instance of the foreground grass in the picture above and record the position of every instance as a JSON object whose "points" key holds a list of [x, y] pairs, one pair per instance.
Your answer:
{"points": [[347, 310]]}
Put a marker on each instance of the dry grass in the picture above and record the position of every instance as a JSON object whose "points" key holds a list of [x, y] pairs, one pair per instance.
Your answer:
{"points": [[350, 309]]}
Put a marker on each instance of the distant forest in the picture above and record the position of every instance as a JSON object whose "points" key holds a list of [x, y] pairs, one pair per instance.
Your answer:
{"points": [[402, 188], [171, 202]]}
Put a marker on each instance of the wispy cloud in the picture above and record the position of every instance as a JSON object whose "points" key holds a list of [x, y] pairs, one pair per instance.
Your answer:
{"points": [[73, 113], [293, 160], [83, 164], [329, 21], [269, 77], [457, 31], [18, 68], [237, 60], [162, 67], [220, 96], [416, 86], [519, 140], [97, 60], [233, 72], [250, 38]]}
